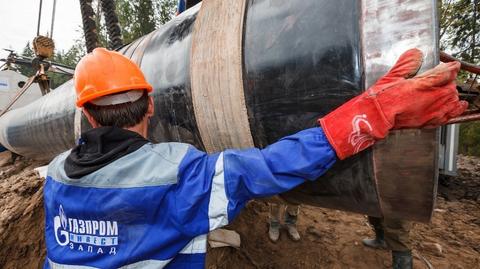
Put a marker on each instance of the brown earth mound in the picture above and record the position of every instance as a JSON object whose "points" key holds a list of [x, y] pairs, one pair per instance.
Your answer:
{"points": [[330, 238], [22, 243]]}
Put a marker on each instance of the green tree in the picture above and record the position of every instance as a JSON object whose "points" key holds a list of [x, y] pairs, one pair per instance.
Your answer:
{"points": [[459, 28], [138, 18], [27, 70], [470, 139], [460, 34], [164, 11], [68, 57]]}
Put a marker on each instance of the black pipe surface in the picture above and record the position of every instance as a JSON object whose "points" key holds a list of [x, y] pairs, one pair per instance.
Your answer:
{"points": [[301, 59]]}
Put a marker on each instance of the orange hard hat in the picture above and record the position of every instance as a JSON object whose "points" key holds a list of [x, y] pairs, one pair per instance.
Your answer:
{"points": [[104, 72]]}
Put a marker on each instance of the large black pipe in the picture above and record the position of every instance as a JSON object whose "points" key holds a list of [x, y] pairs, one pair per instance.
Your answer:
{"points": [[300, 59], [192, 3], [292, 66]]}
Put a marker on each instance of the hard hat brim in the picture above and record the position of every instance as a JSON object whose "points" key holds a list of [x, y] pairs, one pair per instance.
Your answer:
{"points": [[81, 102]]}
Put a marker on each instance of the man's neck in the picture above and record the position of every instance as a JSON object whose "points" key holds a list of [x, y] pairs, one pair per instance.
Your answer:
{"points": [[141, 128]]}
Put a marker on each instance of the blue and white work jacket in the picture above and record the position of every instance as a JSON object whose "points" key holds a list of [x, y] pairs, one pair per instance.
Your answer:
{"points": [[154, 207]]}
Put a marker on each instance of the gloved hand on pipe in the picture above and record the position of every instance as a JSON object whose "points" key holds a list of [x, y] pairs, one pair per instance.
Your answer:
{"points": [[398, 100]]}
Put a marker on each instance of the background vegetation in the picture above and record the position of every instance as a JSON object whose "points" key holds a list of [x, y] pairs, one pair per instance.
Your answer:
{"points": [[460, 36]]}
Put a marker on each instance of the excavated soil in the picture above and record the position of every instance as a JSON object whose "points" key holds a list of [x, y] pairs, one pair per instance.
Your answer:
{"points": [[330, 238], [21, 214]]}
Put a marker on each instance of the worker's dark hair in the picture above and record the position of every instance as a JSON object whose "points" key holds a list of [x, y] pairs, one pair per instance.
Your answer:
{"points": [[122, 115]]}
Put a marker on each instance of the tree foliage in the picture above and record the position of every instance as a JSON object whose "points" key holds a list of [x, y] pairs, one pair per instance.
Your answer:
{"points": [[470, 139], [68, 57], [26, 70], [164, 11], [460, 28], [138, 18], [460, 35]]}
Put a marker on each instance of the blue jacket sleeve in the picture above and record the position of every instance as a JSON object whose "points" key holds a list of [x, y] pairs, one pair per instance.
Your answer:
{"points": [[217, 186], [181, 6], [254, 173]]}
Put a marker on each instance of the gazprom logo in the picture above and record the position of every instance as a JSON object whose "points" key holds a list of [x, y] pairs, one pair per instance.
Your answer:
{"points": [[63, 217], [59, 222], [83, 234]]}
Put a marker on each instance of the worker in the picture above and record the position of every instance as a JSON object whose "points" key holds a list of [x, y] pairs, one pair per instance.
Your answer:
{"points": [[394, 235], [117, 200], [181, 6], [290, 216]]}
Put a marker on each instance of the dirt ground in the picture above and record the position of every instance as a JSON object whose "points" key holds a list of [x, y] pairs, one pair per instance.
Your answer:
{"points": [[330, 238], [21, 214]]}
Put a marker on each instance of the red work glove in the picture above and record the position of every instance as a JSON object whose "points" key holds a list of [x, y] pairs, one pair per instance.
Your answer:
{"points": [[398, 100]]}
